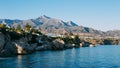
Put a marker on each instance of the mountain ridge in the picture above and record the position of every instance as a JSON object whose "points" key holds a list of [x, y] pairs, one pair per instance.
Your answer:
{"points": [[52, 25]]}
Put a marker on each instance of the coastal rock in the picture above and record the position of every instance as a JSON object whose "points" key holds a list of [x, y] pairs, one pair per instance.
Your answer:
{"points": [[69, 46], [32, 47], [2, 41], [85, 44], [45, 46], [81, 44], [23, 47], [40, 48], [48, 46], [9, 49], [58, 44]]}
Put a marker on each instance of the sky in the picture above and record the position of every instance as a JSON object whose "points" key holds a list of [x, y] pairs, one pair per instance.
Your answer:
{"points": [[98, 14]]}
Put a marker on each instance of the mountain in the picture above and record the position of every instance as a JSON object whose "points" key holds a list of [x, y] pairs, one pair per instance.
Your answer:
{"points": [[114, 33], [71, 23], [52, 25]]}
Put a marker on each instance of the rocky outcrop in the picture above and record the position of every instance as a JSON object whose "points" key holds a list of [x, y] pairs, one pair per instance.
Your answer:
{"points": [[58, 44], [69, 46], [23, 47], [2, 41], [9, 47], [40, 48], [25, 44], [84, 44], [45, 46]]}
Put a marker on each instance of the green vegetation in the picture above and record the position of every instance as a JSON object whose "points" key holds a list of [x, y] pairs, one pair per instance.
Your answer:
{"points": [[19, 29], [18, 32], [27, 28]]}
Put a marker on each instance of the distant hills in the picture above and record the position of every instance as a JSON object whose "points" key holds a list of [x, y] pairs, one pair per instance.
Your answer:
{"points": [[49, 25]]}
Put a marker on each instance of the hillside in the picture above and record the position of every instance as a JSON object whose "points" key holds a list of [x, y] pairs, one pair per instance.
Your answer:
{"points": [[48, 25]]}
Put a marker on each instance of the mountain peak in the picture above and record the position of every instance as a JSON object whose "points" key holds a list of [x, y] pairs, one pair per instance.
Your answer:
{"points": [[71, 23], [44, 16], [53, 25]]}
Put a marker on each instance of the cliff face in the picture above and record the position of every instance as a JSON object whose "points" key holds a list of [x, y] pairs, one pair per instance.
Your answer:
{"points": [[24, 45], [6, 46], [2, 41], [10, 47], [14, 44]]}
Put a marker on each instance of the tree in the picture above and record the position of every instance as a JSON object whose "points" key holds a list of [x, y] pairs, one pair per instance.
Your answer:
{"points": [[2, 26], [18, 28], [77, 40], [12, 28], [27, 28]]}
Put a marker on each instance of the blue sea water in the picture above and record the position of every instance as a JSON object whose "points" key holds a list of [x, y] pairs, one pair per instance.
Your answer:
{"points": [[87, 57]]}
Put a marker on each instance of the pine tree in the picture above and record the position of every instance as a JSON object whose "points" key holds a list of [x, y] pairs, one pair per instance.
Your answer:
{"points": [[18, 28], [27, 28], [2, 26]]}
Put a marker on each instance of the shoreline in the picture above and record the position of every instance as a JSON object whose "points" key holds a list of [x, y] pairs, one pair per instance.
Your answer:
{"points": [[14, 42]]}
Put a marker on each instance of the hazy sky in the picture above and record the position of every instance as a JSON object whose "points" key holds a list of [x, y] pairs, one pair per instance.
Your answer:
{"points": [[99, 14]]}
